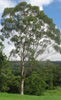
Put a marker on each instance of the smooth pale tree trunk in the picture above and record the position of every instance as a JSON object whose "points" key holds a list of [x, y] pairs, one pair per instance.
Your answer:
{"points": [[22, 78], [22, 86]]}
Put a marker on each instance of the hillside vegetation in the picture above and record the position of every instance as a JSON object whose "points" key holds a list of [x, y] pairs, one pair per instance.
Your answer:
{"points": [[41, 78]]}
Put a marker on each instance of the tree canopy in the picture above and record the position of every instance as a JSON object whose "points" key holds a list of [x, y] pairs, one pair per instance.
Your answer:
{"points": [[25, 25]]}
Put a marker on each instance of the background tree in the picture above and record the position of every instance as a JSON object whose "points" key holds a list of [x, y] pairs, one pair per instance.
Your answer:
{"points": [[5, 73], [32, 33], [1, 43]]}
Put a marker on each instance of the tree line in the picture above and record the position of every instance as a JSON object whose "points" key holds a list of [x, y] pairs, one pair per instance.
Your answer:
{"points": [[41, 77]]}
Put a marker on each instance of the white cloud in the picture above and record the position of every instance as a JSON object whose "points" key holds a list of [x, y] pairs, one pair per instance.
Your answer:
{"points": [[6, 3], [0, 26], [55, 57], [40, 3]]}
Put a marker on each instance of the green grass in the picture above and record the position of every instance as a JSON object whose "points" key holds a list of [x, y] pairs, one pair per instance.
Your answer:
{"points": [[6, 96], [52, 93]]}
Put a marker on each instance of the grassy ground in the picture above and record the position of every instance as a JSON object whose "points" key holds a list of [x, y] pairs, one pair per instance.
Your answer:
{"points": [[6, 96], [52, 93]]}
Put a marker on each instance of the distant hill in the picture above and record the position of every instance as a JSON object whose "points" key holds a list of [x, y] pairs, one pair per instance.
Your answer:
{"points": [[16, 65], [56, 62], [19, 62]]}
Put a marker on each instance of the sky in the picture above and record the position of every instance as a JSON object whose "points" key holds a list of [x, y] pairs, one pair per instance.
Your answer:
{"points": [[52, 8]]}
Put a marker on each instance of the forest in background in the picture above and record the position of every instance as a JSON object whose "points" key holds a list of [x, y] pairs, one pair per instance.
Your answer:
{"points": [[42, 76]]}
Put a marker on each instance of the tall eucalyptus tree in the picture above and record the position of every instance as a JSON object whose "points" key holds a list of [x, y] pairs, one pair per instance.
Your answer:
{"points": [[28, 28]]}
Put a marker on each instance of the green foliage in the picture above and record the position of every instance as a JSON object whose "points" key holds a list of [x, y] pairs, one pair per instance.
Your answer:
{"points": [[1, 37], [1, 46], [15, 38], [8, 11], [36, 9], [5, 73], [41, 77], [34, 85], [21, 6], [46, 19], [14, 84], [57, 48], [56, 92]]}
